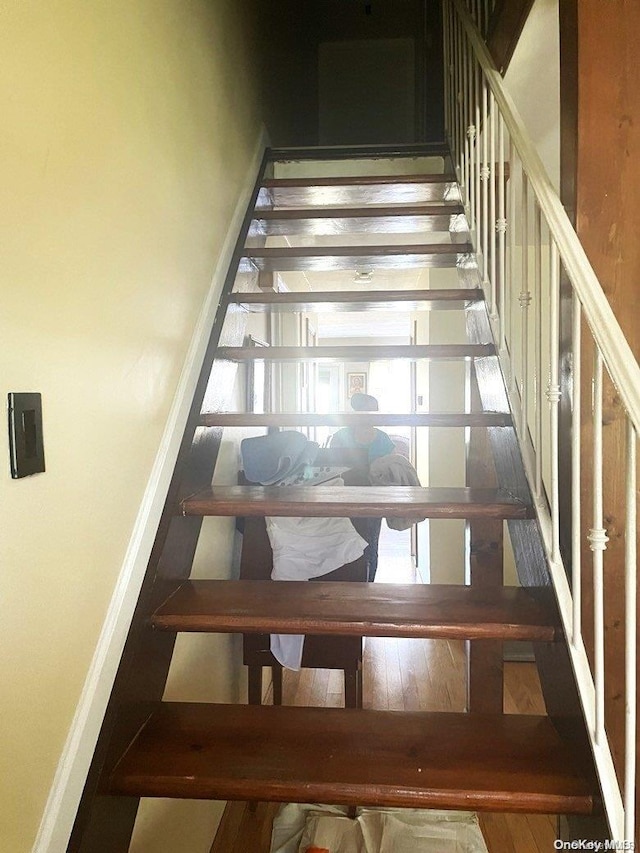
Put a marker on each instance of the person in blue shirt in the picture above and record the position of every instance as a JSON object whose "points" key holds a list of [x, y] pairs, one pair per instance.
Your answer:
{"points": [[377, 443]]}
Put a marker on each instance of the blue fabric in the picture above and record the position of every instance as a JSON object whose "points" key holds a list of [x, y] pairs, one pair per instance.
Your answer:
{"points": [[266, 459], [380, 446]]}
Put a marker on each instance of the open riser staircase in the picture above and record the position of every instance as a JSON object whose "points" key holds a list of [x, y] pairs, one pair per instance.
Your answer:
{"points": [[480, 760]]}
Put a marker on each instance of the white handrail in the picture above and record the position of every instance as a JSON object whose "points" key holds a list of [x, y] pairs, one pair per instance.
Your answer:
{"points": [[618, 356], [471, 126]]}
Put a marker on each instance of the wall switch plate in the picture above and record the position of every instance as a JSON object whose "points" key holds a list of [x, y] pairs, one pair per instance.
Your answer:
{"points": [[26, 445]]}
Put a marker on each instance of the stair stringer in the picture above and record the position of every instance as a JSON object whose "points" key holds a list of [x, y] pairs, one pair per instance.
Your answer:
{"points": [[557, 677]]}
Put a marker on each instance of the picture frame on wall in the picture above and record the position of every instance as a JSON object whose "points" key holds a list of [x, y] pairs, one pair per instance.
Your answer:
{"points": [[356, 384]]}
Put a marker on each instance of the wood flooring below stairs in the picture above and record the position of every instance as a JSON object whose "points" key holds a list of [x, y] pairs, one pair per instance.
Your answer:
{"points": [[402, 674]]}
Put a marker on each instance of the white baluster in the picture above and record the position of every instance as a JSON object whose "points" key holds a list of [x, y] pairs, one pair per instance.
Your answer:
{"points": [[510, 287], [598, 542], [491, 219], [459, 65], [469, 129], [576, 463], [525, 302], [537, 366], [554, 394], [471, 138], [478, 164], [456, 95], [501, 228], [485, 172]]}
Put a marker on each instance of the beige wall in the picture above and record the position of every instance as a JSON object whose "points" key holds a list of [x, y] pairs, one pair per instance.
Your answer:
{"points": [[533, 81], [128, 133]]}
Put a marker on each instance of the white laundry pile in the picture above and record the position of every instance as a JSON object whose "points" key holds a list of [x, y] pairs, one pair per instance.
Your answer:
{"points": [[299, 827], [302, 548], [305, 548]]}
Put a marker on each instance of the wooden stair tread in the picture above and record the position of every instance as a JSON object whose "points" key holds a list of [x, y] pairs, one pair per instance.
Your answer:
{"points": [[326, 262], [353, 757], [359, 180], [346, 153], [293, 419], [393, 256], [356, 502], [356, 353], [309, 223], [276, 252], [362, 212], [349, 300], [307, 229], [383, 250], [356, 191], [361, 609]]}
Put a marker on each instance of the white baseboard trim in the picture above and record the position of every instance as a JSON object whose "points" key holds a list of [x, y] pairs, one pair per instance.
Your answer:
{"points": [[66, 790]]}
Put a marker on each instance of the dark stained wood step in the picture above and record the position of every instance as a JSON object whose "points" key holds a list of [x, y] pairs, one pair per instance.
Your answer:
{"points": [[338, 221], [358, 180], [353, 757], [356, 502], [354, 191], [293, 419], [390, 211], [361, 609], [348, 257], [332, 301], [360, 152], [356, 353], [460, 247], [357, 195]]}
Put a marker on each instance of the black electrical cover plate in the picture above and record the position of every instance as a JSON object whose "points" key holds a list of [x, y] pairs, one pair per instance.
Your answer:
{"points": [[26, 444]]}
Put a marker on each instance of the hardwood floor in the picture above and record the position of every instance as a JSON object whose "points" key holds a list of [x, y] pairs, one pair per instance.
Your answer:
{"points": [[411, 675]]}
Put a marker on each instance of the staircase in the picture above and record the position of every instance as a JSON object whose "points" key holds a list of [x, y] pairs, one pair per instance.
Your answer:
{"points": [[480, 760]]}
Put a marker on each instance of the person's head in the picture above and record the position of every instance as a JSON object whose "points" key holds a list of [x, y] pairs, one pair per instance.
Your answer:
{"points": [[363, 403]]}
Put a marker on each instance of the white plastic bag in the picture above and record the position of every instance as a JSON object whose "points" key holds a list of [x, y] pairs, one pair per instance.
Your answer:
{"points": [[420, 831], [290, 822], [298, 827], [335, 833]]}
